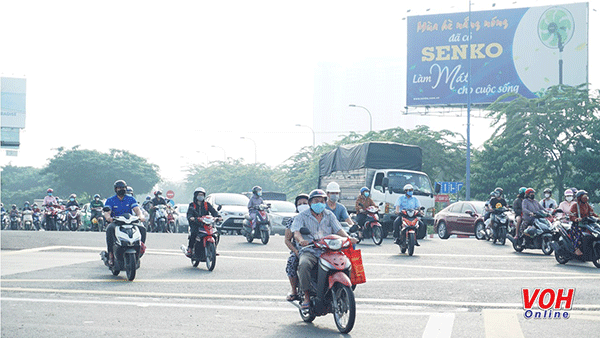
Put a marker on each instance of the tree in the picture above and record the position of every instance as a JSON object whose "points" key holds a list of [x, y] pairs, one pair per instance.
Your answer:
{"points": [[20, 184]]}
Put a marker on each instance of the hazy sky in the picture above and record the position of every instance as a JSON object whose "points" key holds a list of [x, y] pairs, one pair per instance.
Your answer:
{"points": [[166, 80]]}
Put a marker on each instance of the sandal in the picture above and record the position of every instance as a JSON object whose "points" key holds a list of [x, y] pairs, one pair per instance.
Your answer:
{"points": [[292, 297]]}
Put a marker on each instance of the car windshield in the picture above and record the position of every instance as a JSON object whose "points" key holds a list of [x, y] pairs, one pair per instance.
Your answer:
{"points": [[479, 207], [231, 199], [421, 183], [182, 208], [282, 206]]}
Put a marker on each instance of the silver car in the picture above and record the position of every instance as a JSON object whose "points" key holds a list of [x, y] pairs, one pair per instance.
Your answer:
{"points": [[281, 213], [181, 221], [233, 208]]}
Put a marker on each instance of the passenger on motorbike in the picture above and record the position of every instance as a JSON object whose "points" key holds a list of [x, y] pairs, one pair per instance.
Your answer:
{"points": [[580, 210], [530, 207], [496, 202], [518, 209], [198, 208], [320, 223], [338, 209], [363, 201], [121, 204], [404, 202], [157, 200], [548, 202], [291, 267], [566, 205], [253, 204]]}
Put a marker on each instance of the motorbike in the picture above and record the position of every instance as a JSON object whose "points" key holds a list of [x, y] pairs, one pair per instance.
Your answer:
{"points": [[261, 226], [160, 219], [205, 246], [51, 215], [499, 226], [37, 219], [61, 219], [372, 228], [410, 225], [15, 222], [5, 221], [28, 220], [71, 218], [171, 221], [538, 235], [127, 247], [98, 221], [331, 280], [564, 250]]}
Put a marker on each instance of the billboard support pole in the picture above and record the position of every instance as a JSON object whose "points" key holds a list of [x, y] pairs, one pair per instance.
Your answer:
{"points": [[468, 178]]}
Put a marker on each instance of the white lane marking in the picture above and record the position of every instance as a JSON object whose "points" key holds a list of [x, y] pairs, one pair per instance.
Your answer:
{"points": [[501, 324], [468, 269], [439, 325], [412, 302]]}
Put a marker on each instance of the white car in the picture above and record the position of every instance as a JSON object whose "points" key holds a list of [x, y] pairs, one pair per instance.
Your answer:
{"points": [[233, 208], [181, 221], [281, 213]]}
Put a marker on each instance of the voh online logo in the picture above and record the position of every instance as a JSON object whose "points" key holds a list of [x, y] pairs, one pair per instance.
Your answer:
{"points": [[547, 303]]}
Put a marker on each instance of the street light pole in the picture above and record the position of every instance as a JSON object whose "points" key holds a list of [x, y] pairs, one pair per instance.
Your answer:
{"points": [[224, 155], [246, 138], [313, 132], [370, 116], [468, 173]]}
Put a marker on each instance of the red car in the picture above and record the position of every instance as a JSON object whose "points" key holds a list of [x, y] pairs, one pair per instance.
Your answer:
{"points": [[460, 218]]}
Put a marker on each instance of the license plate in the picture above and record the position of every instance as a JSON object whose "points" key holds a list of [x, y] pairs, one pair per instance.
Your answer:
{"points": [[237, 221]]}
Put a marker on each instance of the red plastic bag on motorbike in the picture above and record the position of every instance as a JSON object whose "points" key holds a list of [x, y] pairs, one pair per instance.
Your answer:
{"points": [[357, 274]]}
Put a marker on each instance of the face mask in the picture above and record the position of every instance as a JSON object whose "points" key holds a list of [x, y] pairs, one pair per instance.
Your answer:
{"points": [[121, 192], [367, 194], [317, 207], [303, 207], [569, 198], [547, 195], [531, 197], [334, 198], [259, 193], [71, 199], [409, 193], [49, 194], [200, 198]]}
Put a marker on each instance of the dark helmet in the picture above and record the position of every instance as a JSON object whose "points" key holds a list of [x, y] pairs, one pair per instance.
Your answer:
{"points": [[119, 184], [14, 206], [157, 192], [299, 197], [256, 189], [363, 189], [499, 190], [548, 191], [317, 193], [96, 196], [580, 193], [148, 198]]}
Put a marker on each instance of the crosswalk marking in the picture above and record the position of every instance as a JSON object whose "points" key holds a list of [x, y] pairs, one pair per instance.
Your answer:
{"points": [[501, 324]]}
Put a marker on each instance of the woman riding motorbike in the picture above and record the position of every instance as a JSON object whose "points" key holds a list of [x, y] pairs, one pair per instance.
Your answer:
{"points": [[580, 210], [291, 267]]}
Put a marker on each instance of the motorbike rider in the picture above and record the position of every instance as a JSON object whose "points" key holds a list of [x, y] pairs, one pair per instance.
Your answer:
{"points": [[518, 209], [37, 213], [198, 208], [339, 210], [580, 210], [496, 202], [26, 206], [147, 204], [404, 202], [49, 199], [157, 200], [14, 211], [254, 202], [530, 207], [320, 223], [548, 202], [120, 204], [363, 201], [96, 206], [566, 205], [73, 201], [291, 267]]}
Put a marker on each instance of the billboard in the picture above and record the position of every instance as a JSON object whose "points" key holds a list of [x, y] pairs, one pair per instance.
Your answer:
{"points": [[521, 50], [12, 102]]}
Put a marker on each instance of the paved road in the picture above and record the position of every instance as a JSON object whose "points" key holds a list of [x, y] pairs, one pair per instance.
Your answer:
{"points": [[54, 284]]}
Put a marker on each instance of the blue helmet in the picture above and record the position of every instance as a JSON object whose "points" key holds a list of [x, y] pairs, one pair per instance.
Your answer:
{"points": [[363, 189]]}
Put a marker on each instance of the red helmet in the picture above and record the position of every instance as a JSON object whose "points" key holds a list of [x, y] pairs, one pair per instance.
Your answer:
{"points": [[529, 191], [49, 190]]}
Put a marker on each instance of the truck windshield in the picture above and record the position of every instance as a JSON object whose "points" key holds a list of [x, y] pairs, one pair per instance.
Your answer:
{"points": [[421, 183]]}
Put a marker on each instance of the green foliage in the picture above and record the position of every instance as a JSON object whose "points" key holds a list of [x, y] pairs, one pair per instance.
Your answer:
{"points": [[20, 184]]}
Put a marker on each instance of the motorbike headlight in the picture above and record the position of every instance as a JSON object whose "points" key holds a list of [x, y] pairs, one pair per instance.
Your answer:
{"points": [[334, 244]]}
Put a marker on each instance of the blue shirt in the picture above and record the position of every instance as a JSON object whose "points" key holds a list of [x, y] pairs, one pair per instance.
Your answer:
{"points": [[119, 207], [406, 203], [340, 211]]}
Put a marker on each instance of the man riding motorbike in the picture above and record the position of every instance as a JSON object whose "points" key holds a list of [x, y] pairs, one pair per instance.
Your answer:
{"points": [[580, 210], [198, 208], [363, 201], [338, 209], [497, 201], [157, 200], [73, 201], [320, 223], [254, 202], [530, 207], [120, 204], [548, 202], [404, 202]]}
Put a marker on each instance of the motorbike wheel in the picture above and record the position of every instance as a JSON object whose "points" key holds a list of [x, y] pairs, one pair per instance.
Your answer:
{"points": [[546, 247], [480, 231], [377, 235], [264, 236], [249, 238], [596, 263], [130, 266], [344, 307], [172, 228], [411, 244], [517, 245], [217, 237], [211, 256], [308, 317], [442, 231], [116, 272], [502, 236], [162, 225], [561, 258], [100, 224]]}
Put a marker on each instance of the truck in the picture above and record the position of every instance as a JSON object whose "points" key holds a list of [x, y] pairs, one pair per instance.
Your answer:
{"points": [[383, 167]]}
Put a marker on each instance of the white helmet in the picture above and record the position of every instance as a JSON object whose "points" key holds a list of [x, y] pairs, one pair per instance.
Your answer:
{"points": [[408, 187], [200, 189], [333, 187]]}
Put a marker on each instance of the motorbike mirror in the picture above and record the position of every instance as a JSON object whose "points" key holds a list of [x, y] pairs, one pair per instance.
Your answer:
{"points": [[422, 208], [438, 187], [304, 231], [219, 207], [106, 209], [380, 203], [469, 212]]}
